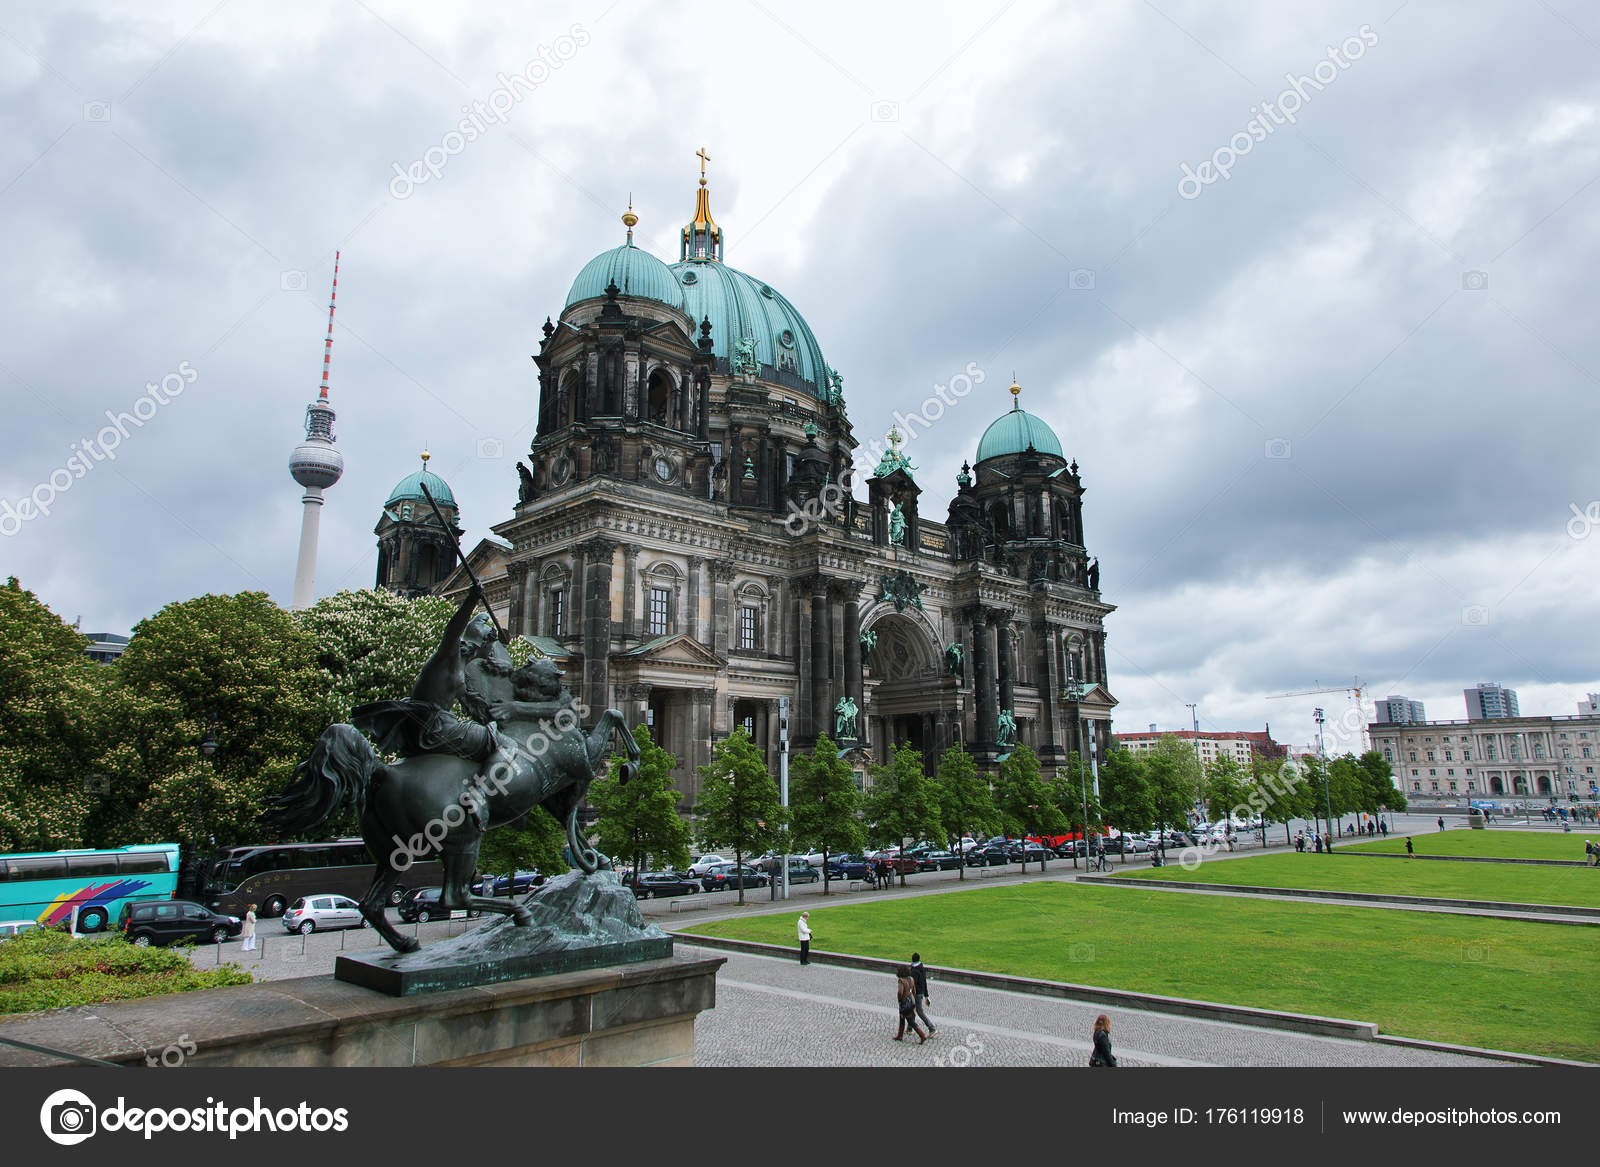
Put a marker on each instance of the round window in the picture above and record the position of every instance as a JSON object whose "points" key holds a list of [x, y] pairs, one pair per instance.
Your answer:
{"points": [[786, 338], [689, 277], [766, 291]]}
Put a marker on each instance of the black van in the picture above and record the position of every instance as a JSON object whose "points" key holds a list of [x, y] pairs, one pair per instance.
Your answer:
{"points": [[175, 921]]}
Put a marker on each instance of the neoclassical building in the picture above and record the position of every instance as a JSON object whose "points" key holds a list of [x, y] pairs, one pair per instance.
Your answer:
{"points": [[692, 541]]}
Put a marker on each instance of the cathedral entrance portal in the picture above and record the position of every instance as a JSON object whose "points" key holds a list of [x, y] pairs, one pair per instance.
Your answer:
{"points": [[910, 700]]}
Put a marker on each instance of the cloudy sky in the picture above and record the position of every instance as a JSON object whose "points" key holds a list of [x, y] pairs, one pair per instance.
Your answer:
{"points": [[1327, 362]]}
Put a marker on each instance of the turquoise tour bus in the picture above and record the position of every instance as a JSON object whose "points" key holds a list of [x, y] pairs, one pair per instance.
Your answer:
{"points": [[82, 889]]}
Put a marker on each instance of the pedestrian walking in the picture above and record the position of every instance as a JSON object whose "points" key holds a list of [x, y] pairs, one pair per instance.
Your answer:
{"points": [[906, 995], [248, 932], [1410, 850], [1441, 822], [919, 977], [1102, 1055], [804, 931]]}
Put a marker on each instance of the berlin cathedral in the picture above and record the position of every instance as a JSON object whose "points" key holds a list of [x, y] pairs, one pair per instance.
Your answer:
{"points": [[687, 543]]}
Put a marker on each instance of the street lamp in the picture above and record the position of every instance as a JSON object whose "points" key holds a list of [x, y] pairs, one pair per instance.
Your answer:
{"points": [[1076, 690], [1327, 792]]}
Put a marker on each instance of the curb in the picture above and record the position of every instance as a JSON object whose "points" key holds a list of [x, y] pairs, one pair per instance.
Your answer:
{"points": [[1474, 1051], [1464, 858], [1497, 909], [1090, 994]]}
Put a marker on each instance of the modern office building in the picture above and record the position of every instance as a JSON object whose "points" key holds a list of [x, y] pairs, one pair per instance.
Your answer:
{"points": [[1400, 710], [1488, 700]]}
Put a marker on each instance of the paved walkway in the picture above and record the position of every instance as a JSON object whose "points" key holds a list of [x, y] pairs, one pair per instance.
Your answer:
{"points": [[773, 1012]]}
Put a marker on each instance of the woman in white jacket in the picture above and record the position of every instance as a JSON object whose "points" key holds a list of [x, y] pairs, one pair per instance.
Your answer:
{"points": [[804, 931]]}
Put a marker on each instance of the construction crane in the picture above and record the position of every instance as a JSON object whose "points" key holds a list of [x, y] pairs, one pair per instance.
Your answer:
{"points": [[1355, 687]]}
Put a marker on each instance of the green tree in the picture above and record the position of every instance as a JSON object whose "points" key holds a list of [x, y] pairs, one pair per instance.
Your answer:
{"points": [[903, 803], [1173, 773], [739, 804], [639, 819], [1280, 793], [236, 669], [1026, 802], [1073, 794], [824, 804], [370, 644], [965, 804], [51, 696], [1383, 793], [1125, 793]]}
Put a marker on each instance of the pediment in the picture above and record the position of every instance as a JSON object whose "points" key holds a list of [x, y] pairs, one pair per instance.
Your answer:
{"points": [[682, 650]]}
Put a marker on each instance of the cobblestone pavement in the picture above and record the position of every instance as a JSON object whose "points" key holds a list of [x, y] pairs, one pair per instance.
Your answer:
{"points": [[773, 1012]]}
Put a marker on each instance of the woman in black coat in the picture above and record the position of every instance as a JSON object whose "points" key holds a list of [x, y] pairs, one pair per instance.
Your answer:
{"points": [[1102, 1055]]}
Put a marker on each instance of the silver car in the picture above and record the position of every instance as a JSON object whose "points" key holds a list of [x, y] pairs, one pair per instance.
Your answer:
{"points": [[309, 914]]}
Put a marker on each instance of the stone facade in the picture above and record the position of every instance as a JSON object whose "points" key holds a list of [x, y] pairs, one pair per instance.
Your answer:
{"points": [[1534, 757]]}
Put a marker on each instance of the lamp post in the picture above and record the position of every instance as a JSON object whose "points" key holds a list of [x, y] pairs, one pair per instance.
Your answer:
{"points": [[1076, 689], [1200, 772], [1327, 790]]}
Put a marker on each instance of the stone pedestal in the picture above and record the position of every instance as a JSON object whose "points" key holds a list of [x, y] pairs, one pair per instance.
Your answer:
{"points": [[634, 1015]]}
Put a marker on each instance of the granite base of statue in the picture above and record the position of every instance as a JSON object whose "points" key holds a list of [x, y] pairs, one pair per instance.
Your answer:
{"points": [[580, 921]]}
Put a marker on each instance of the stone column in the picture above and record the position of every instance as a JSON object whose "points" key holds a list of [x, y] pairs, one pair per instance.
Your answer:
{"points": [[575, 595], [696, 590], [1100, 656], [630, 591], [517, 576], [800, 726], [533, 598], [821, 620], [1049, 694], [597, 625], [982, 689], [1002, 660], [722, 573], [699, 741], [639, 709], [852, 655]]}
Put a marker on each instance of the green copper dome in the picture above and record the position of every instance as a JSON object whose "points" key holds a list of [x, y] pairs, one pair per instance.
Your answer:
{"points": [[1014, 433], [740, 306], [635, 272], [410, 488]]}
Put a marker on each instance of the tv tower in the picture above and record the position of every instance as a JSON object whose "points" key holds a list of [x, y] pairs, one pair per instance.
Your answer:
{"points": [[316, 465]]}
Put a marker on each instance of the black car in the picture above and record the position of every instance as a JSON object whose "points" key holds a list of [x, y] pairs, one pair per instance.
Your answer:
{"points": [[725, 877], [848, 867], [938, 861], [662, 884], [421, 904], [1030, 853], [175, 922], [509, 885], [987, 857]]}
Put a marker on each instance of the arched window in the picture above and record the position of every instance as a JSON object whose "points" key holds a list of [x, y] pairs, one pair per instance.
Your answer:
{"points": [[660, 397], [571, 388]]}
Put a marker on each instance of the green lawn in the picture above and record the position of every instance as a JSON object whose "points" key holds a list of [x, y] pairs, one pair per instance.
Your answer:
{"points": [[1493, 843], [1496, 983], [1506, 882]]}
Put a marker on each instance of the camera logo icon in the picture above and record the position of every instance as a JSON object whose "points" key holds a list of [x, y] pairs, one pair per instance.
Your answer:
{"points": [[68, 1117], [1080, 952], [292, 281], [1475, 616], [1278, 449], [1474, 281], [886, 111], [97, 111], [1081, 279], [489, 448]]}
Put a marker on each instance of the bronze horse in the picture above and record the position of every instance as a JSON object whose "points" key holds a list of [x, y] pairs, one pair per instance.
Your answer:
{"points": [[459, 778]]}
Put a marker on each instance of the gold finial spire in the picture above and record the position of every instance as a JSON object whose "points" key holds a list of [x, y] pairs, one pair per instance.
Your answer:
{"points": [[425, 457], [701, 238], [629, 218], [1016, 392]]}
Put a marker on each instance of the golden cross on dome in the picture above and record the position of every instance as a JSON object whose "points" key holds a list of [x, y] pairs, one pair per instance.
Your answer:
{"points": [[894, 436], [704, 158]]}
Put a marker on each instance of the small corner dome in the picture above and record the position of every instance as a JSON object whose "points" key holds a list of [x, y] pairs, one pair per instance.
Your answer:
{"points": [[636, 273], [410, 487], [1013, 432]]}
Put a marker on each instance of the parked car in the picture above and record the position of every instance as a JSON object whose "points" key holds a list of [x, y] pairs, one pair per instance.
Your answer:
{"points": [[662, 884], [175, 921], [725, 877], [516, 884], [10, 928], [1126, 845], [310, 914], [987, 856], [1030, 853], [704, 863], [849, 867], [938, 861], [421, 904], [801, 872]]}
